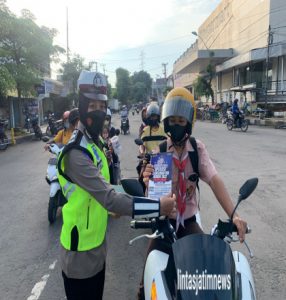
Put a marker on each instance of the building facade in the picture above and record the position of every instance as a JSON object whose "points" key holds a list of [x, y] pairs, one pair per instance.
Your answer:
{"points": [[245, 40]]}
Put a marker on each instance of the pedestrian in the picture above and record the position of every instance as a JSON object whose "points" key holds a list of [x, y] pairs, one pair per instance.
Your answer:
{"points": [[84, 178]]}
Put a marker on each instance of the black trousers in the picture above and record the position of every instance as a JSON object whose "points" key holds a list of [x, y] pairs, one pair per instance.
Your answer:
{"points": [[85, 289]]}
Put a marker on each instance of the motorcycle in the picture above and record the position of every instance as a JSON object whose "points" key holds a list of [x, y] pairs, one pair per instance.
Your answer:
{"points": [[198, 266], [241, 122], [124, 125], [57, 198], [3, 137], [53, 126], [226, 116], [36, 128]]}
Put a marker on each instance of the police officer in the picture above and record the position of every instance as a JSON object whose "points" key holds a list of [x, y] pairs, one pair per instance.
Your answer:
{"points": [[84, 179]]}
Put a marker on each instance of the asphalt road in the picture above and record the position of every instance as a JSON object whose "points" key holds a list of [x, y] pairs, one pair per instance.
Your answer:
{"points": [[29, 246]]}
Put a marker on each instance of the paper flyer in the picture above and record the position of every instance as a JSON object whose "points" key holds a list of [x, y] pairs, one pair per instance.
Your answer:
{"points": [[161, 182]]}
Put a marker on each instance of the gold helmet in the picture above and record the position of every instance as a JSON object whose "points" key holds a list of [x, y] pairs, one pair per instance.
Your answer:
{"points": [[179, 102]]}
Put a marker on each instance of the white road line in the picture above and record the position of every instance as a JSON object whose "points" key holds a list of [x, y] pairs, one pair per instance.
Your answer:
{"points": [[52, 266], [39, 286]]}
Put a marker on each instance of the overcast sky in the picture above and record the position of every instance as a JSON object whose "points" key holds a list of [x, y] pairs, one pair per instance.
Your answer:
{"points": [[123, 33]]}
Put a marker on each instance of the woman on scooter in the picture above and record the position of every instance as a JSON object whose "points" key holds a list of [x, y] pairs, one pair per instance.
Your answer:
{"points": [[70, 120], [153, 134], [179, 115]]}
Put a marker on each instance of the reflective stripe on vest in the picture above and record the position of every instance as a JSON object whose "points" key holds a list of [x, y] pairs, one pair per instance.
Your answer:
{"points": [[84, 218]]}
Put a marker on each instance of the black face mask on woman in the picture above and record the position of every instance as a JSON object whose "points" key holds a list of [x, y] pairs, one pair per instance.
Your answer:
{"points": [[177, 132], [96, 126]]}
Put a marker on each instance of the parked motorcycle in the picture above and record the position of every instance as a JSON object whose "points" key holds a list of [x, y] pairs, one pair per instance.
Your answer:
{"points": [[3, 137], [53, 126], [241, 123], [124, 125], [198, 266], [36, 128], [57, 198]]}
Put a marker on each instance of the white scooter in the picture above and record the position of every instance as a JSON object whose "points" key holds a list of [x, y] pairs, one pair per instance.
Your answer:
{"points": [[57, 198], [198, 266]]}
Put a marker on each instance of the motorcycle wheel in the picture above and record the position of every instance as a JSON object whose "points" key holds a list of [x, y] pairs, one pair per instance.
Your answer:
{"points": [[3, 142], [229, 124], [52, 208], [244, 126]]}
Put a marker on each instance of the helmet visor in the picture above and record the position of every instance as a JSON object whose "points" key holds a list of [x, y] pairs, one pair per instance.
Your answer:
{"points": [[178, 106]]}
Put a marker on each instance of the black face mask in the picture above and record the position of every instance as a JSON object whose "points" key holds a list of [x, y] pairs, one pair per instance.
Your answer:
{"points": [[96, 127], [145, 120], [177, 132]]}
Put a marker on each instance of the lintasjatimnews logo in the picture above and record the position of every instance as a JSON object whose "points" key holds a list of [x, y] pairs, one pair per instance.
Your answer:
{"points": [[203, 281]]}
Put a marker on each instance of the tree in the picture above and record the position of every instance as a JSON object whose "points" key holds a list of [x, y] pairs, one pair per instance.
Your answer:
{"points": [[71, 71], [122, 85], [203, 84], [109, 90], [139, 91], [7, 82], [141, 86], [26, 49]]}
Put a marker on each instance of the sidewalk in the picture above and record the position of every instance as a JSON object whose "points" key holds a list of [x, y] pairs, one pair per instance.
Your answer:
{"points": [[24, 136], [271, 122]]}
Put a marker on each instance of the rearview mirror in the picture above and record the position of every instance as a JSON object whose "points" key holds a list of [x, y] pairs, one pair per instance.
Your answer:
{"points": [[45, 139], [132, 187], [247, 189], [138, 142]]}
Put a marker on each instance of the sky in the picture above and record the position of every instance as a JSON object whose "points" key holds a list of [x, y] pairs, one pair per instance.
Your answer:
{"points": [[131, 34]]}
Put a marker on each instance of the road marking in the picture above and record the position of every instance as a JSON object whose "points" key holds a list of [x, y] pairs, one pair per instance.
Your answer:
{"points": [[52, 266], [39, 286]]}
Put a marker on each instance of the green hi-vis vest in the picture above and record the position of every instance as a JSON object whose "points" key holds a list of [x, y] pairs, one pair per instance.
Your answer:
{"points": [[84, 218]]}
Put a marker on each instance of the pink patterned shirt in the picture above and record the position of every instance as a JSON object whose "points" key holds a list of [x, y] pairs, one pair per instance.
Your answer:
{"points": [[206, 169]]}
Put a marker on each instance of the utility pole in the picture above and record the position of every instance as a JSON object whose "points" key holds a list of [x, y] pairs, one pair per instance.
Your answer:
{"points": [[142, 56], [269, 42], [103, 67], [91, 63], [165, 69], [68, 50]]}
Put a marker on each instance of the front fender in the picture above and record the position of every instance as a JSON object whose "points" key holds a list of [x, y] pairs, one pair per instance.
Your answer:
{"points": [[54, 188]]}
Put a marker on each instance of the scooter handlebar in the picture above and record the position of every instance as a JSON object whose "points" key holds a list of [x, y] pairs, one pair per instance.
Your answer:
{"points": [[141, 224], [234, 229]]}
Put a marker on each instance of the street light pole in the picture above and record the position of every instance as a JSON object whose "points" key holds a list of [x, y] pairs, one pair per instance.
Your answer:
{"points": [[269, 42], [196, 34]]}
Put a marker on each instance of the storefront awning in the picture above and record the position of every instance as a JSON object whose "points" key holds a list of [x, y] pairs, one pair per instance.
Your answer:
{"points": [[197, 60], [245, 88], [252, 56]]}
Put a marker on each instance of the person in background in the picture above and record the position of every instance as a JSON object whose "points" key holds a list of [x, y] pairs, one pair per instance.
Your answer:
{"points": [[236, 113], [64, 135], [144, 120]]}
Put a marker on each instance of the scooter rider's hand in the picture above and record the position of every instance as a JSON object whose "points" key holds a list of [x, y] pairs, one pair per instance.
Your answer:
{"points": [[167, 205], [241, 227], [148, 171], [46, 147]]}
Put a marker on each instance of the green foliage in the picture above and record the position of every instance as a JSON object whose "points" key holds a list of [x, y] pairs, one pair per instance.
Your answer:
{"points": [[109, 90], [122, 85], [26, 49], [203, 84], [141, 86], [72, 69], [7, 82]]}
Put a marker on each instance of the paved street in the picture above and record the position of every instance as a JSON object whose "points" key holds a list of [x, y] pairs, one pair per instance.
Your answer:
{"points": [[29, 245]]}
